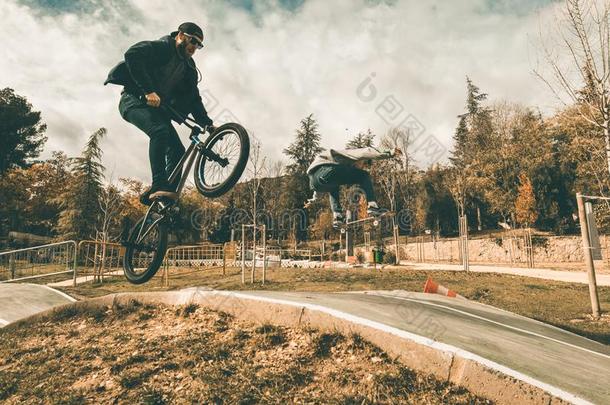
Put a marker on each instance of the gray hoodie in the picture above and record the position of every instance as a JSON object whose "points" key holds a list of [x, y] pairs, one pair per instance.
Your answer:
{"points": [[348, 156]]}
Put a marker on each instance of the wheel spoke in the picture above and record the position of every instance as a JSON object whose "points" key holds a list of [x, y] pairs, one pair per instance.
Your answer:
{"points": [[144, 252], [227, 146]]}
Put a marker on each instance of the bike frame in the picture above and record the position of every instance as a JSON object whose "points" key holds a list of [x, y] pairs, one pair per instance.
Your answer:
{"points": [[196, 146]]}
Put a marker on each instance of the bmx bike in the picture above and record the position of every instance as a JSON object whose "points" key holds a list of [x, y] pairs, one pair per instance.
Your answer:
{"points": [[219, 162]]}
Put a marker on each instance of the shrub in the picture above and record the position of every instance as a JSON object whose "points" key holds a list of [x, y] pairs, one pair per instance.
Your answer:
{"points": [[389, 258], [360, 257], [540, 241]]}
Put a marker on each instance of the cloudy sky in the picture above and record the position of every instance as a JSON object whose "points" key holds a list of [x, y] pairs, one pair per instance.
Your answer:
{"points": [[354, 64]]}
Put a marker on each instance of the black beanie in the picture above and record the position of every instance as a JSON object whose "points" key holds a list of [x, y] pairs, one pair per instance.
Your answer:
{"points": [[191, 29]]}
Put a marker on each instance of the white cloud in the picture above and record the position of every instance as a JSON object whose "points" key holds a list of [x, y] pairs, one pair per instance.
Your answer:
{"points": [[273, 68]]}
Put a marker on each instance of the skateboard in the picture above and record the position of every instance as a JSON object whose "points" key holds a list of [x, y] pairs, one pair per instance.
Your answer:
{"points": [[374, 218]]}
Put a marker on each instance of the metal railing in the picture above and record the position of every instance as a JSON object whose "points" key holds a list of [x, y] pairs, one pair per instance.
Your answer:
{"points": [[38, 261], [99, 259], [189, 259], [275, 255]]}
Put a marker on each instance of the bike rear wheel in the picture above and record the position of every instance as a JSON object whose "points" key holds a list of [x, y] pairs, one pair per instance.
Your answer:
{"points": [[145, 248], [230, 142]]}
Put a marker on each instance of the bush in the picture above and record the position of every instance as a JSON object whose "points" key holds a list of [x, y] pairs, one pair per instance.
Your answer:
{"points": [[360, 257], [389, 258], [540, 241]]}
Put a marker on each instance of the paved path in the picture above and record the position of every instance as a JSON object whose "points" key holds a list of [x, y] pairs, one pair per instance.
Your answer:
{"points": [[547, 274], [22, 300], [568, 362], [82, 279]]}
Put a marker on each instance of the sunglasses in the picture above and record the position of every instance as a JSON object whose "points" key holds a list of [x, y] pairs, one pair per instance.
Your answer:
{"points": [[194, 40]]}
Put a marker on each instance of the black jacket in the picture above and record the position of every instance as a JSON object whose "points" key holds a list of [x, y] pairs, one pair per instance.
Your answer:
{"points": [[134, 73]]}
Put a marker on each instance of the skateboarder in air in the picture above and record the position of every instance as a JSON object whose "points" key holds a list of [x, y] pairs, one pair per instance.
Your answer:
{"points": [[334, 168]]}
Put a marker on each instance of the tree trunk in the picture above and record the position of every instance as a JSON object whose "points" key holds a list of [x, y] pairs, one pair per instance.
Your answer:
{"points": [[607, 139]]}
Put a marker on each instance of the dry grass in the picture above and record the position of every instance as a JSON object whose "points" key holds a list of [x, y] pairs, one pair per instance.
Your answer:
{"points": [[159, 354], [561, 304]]}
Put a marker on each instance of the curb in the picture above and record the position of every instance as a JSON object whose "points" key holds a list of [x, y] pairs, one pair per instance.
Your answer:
{"points": [[479, 375]]}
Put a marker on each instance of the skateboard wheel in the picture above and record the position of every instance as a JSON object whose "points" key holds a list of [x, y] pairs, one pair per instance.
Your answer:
{"points": [[342, 230], [375, 222]]}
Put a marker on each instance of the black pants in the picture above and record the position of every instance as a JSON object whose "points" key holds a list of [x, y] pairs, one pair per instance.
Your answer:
{"points": [[165, 148], [329, 178]]}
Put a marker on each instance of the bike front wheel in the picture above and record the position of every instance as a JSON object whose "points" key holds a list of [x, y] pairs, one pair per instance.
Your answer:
{"points": [[231, 146], [145, 249]]}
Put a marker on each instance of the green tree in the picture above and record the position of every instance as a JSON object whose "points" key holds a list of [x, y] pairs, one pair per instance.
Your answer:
{"points": [[361, 140], [80, 201], [516, 144], [21, 132], [471, 139], [460, 143], [305, 147], [301, 153], [15, 194], [474, 98], [46, 181], [457, 175]]}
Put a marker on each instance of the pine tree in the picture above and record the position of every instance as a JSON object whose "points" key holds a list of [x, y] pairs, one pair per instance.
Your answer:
{"points": [[302, 152], [474, 98], [361, 140], [80, 201], [460, 140], [471, 145], [306, 146]]}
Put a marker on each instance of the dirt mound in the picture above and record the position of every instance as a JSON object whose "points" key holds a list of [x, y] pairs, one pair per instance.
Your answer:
{"points": [[163, 354]]}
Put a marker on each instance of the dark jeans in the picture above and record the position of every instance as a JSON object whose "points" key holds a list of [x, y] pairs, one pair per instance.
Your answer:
{"points": [[165, 148], [329, 178]]}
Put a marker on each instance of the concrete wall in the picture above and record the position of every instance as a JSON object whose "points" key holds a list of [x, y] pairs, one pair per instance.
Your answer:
{"points": [[552, 249]]}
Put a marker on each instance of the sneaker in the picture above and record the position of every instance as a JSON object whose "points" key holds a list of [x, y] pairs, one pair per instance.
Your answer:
{"points": [[172, 195], [338, 220], [155, 192]]}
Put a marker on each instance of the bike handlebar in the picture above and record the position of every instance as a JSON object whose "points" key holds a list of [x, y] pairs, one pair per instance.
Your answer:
{"points": [[181, 119]]}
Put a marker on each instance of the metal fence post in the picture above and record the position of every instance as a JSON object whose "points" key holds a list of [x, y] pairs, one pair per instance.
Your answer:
{"points": [[264, 252], [224, 258], [588, 254], [243, 254]]}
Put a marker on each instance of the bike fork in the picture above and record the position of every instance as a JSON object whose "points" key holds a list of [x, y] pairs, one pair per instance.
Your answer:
{"points": [[141, 233]]}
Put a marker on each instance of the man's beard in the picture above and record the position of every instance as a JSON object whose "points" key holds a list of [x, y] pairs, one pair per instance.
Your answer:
{"points": [[182, 50]]}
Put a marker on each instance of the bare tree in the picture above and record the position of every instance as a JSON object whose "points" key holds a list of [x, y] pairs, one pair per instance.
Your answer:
{"points": [[394, 174], [257, 168], [277, 173], [277, 169], [583, 32], [457, 186], [110, 207]]}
